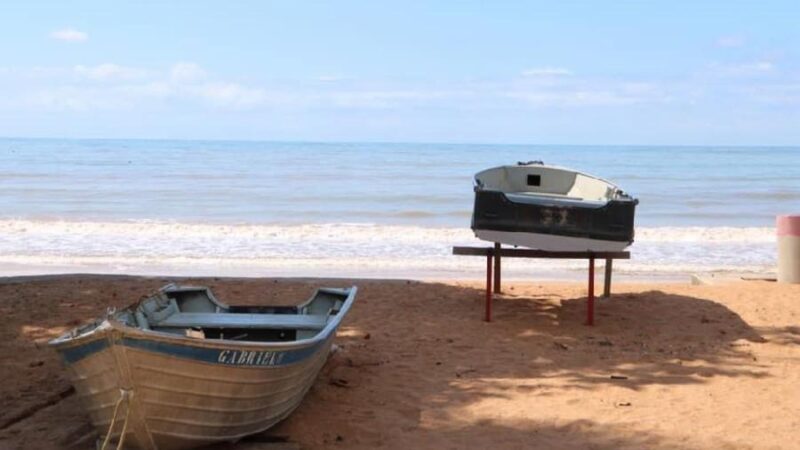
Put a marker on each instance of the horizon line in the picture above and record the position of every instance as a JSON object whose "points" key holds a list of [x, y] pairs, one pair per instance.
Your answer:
{"points": [[385, 142]]}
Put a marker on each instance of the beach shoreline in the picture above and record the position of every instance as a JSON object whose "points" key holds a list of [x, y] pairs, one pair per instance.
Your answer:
{"points": [[24, 273], [344, 249]]}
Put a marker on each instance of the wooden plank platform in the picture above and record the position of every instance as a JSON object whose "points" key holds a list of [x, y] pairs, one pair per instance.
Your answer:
{"points": [[493, 280], [530, 253]]}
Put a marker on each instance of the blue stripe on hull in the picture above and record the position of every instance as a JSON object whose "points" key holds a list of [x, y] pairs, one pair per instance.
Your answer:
{"points": [[230, 357], [74, 354], [233, 356]]}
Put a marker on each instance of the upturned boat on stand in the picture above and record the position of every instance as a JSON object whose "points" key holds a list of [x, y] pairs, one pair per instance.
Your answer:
{"points": [[551, 208]]}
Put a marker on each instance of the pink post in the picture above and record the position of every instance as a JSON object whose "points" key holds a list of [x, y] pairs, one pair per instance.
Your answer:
{"points": [[788, 230]]}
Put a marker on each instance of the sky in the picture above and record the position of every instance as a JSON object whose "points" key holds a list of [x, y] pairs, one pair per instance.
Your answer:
{"points": [[549, 72]]}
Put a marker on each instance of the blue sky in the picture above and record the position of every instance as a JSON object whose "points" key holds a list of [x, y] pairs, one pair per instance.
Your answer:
{"points": [[568, 72]]}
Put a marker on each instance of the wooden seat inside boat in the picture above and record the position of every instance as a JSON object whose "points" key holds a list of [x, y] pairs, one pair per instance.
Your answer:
{"points": [[239, 320]]}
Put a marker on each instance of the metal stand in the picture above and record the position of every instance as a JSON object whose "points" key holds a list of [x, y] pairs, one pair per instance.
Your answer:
{"points": [[494, 285]]}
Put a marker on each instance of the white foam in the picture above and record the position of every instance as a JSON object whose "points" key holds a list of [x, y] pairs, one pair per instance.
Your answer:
{"points": [[706, 234], [340, 249]]}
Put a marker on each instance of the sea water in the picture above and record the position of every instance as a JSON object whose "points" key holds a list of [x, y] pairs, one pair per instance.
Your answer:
{"points": [[361, 209]]}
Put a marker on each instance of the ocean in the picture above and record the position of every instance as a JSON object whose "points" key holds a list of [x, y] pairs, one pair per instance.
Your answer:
{"points": [[361, 209]]}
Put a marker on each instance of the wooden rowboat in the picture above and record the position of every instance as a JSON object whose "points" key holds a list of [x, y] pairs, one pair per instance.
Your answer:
{"points": [[181, 369]]}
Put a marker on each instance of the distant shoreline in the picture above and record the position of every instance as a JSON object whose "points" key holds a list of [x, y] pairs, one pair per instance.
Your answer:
{"points": [[22, 274]]}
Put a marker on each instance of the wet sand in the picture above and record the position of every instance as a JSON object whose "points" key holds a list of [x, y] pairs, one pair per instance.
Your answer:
{"points": [[667, 366]]}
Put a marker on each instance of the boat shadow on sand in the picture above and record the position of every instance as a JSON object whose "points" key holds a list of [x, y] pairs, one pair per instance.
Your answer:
{"points": [[434, 368], [641, 339], [417, 367]]}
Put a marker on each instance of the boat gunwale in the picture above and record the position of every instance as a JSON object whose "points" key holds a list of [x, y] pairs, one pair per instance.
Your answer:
{"points": [[561, 168], [102, 331]]}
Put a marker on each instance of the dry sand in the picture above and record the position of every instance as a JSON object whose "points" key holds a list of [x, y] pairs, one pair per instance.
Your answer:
{"points": [[666, 367]]}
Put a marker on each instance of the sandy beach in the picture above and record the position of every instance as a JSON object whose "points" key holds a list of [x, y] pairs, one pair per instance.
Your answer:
{"points": [[668, 366]]}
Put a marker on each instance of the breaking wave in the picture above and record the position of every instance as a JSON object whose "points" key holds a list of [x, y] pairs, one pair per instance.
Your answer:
{"points": [[342, 249]]}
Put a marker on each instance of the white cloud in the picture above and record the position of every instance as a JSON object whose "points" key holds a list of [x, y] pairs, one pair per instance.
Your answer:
{"points": [[74, 98], [69, 35], [329, 78], [758, 66], [573, 98], [187, 85], [187, 72], [777, 94], [547, 72], [730, 41], [588, 93], [386, 98], [744, 69], [112, 86], [231, 95], [110, 72], [37, 72]]}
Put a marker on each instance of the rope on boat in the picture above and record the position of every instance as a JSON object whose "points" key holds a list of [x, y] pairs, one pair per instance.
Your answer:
{"points": [[124, 394]]}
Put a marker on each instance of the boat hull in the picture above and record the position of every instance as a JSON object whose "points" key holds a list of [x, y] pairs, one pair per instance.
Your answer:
{"points": [[180, 394], [552, 225], [161, 390]]}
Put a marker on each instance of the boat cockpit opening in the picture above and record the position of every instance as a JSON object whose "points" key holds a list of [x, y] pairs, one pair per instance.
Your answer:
{"points": [[196, 313], [547, 181]]}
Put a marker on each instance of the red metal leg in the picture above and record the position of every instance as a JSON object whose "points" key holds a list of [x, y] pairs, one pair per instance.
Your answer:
{"points": [[489, 287], [590, 300], [497, 270]]}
